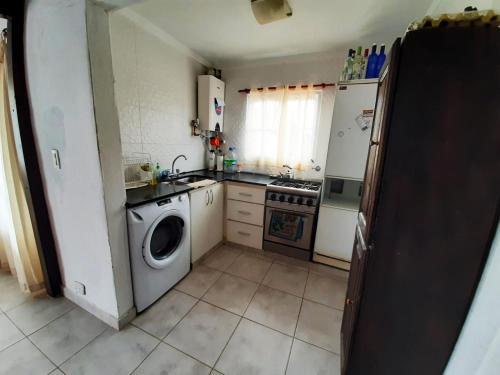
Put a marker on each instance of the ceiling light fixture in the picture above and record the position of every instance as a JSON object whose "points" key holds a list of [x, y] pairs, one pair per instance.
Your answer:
{"points": [[267, 11]]}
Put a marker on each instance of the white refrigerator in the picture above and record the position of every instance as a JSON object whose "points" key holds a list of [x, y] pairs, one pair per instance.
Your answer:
{"points": [[345, 167]]}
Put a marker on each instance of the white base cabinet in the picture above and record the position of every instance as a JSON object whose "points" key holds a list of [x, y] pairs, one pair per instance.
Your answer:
{"points": [[335, 232], [207, 219]]}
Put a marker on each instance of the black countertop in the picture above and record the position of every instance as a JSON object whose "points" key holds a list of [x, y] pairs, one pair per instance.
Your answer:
{"points": [[245, 177], [146, 194]]}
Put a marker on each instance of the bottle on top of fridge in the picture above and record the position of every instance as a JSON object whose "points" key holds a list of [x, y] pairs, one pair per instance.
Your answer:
{"points": [[357, 63], [380, 60], [371, 68], [344, 69], [364, 63], [350, 64]]}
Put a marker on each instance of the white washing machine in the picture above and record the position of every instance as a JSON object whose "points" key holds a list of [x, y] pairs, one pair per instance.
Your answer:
{"points": [[160, 247]]}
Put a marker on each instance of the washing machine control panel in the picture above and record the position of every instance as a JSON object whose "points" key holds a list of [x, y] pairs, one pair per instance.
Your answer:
{"points": [[164, 202]]}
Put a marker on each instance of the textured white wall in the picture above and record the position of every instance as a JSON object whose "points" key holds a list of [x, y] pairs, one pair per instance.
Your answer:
{"points": [[478, 348], [60, 90], [279, 72], [108, 136], [155, 88]]}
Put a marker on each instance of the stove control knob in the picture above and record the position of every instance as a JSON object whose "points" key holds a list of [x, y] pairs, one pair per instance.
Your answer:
{"points": [[300, 200], [282, 198], [273, 197], [290, 199], [309, 202]]}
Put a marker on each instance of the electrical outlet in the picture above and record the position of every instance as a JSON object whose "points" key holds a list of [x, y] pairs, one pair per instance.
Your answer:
{"points": [[79, 288], [56, 161]]}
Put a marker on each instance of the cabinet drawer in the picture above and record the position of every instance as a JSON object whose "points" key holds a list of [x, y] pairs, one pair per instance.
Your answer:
{"points": [[246, 193], [244, 234], [245, 212]]}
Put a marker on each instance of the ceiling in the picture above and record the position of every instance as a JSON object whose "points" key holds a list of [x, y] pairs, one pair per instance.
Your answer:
{"points": [[225, 31]]}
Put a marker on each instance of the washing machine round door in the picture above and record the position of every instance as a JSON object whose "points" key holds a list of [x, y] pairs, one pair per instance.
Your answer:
{"points": [[164, 239]]}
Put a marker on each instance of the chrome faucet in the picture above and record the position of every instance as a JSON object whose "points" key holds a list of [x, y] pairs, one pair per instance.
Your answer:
{"points": [[175, 172]]}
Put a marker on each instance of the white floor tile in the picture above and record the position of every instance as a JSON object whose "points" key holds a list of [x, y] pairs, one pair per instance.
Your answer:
{"points": [[329, 291], [113, 352], [320, 326], [204, 332], [275, 309], [222, 258], [23, 358], [167, 360], [231, 293], [9, 334], [287, 278], [11, 295], [255, 349], [161, 317], [249, 267], [38, 312], [197, 282], [311, 360], [66, 335]]}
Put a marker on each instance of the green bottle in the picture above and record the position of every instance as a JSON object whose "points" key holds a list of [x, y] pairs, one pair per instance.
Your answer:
{"points": [[357, 68]]}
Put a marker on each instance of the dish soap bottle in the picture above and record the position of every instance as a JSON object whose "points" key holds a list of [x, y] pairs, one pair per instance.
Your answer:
{"points": [[156, 175], [230, 161]]}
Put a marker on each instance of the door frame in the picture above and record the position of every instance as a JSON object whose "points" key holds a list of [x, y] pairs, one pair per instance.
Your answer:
{"points": [[15, 13]]}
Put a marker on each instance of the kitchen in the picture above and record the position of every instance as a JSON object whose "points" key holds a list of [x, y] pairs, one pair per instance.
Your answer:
{"points": [[233, 174]]}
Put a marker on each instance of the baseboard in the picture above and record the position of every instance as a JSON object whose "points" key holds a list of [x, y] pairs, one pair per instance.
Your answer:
{"points": [[112, 321], [334, 262]]}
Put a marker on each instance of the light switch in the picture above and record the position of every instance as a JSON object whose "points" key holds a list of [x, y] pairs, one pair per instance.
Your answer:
{"points": [[56, 161]]}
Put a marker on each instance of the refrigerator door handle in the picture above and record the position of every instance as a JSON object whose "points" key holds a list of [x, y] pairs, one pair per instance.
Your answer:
{"points": [[361, 248]]}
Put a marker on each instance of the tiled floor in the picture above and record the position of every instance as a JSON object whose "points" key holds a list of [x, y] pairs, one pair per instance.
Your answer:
{"points": [[240, 312]]}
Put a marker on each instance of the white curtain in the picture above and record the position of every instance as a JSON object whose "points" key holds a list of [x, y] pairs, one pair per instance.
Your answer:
{"points": [[18, 247], [281, 127]]}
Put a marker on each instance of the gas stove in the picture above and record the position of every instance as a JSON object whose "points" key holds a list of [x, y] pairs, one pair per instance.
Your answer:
{"points": [[291, 215]]}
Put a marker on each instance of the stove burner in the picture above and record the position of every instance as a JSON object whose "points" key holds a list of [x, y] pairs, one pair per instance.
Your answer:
{"points": [[308, 188], [305, 185]]}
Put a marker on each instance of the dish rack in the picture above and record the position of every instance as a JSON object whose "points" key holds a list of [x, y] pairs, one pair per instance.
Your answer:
{"points": [[137, 169]]}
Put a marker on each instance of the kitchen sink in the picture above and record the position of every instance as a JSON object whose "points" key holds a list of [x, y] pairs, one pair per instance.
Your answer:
{"points": [[186, 180]]}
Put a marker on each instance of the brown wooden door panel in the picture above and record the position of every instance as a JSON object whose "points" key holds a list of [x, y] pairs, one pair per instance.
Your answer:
{"points": [[353, 296]]}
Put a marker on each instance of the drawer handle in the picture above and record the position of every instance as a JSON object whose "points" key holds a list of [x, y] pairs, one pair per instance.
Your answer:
{"points": [[243, 233], [245, 194], [244, 212]]}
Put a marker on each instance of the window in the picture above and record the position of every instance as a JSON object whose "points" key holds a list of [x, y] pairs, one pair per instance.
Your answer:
{"points": [[281, 127]]}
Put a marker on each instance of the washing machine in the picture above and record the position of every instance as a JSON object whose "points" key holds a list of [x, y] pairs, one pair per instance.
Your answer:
{"points": [[160, 247]]}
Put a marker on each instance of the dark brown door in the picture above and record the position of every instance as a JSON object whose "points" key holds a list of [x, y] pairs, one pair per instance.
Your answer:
{"points": [[353, 296]]}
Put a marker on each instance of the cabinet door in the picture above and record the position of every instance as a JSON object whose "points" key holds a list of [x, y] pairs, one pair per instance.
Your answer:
{"points": [[349, 142], [200, 219], [216, 215], [353, 297], [335, 232]]}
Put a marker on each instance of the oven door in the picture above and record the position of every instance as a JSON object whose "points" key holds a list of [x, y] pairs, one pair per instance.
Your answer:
{"points": [[289, 227]]}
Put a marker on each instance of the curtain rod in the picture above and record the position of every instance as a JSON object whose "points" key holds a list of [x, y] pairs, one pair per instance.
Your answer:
{"points": [[322, 85]]}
